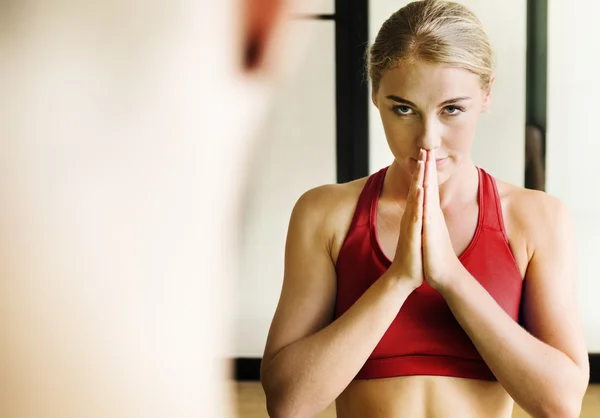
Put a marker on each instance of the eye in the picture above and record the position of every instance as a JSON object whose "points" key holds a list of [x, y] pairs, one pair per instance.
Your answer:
{"points": [[403, 110], [453, 110]]}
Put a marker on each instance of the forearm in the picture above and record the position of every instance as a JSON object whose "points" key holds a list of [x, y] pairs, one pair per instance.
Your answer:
{"points": [[542, 380], [306, 376]]}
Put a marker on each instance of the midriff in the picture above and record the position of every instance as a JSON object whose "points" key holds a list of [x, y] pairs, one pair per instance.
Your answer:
{"points": [[424, 397]]}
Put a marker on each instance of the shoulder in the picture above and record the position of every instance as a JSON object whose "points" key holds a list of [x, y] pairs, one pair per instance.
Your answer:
{"points": [[532, 206], [328, 210], [322, 201], [535, 215]]}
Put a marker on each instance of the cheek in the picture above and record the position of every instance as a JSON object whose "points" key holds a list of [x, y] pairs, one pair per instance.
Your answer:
{"points": [[460, 134], [399, 133]]}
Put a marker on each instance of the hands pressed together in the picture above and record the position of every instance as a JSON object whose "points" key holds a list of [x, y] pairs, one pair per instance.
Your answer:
{"points": [[424, 249]]}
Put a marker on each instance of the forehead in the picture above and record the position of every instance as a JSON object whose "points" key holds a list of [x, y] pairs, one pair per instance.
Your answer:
{"points": [[420, 80]]}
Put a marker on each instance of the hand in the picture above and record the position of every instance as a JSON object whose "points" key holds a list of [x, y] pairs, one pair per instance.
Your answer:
{"points": [[408, 264], [440, 263]]}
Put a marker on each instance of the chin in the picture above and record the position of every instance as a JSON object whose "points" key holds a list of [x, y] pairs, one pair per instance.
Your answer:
{"points": [[442, 177]]}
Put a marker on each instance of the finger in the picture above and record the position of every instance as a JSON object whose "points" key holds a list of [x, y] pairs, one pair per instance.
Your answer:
{"points": [[430, 169], [432, 195], [418, 178], [422, 157], [414, 208], [413, 214], [418, 212], [412, 220]]}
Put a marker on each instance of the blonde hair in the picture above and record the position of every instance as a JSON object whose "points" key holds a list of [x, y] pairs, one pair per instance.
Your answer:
{"points": [[435, 31]]}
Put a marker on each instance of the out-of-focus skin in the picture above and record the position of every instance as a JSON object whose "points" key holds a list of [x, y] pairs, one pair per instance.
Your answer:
{"points": [[124, 133]]}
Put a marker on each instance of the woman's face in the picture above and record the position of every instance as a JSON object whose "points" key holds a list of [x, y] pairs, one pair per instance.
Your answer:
{"points": [[433, 107]]}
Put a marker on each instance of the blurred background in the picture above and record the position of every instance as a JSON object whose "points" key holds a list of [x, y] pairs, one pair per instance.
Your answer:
{"points": [[540, 133]]}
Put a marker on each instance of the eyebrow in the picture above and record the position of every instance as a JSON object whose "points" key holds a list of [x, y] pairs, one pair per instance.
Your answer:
{"points": [[408, 102]]}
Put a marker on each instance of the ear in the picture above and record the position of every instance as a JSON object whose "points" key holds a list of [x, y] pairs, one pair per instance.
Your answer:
{"points": [[259, 20], [487, 101]]}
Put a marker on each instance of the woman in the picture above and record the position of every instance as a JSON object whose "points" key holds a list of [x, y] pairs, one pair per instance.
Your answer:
{"points": [[429, 289]]}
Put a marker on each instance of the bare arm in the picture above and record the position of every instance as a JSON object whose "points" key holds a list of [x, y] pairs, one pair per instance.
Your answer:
{"points": [[546, 371], [310, 360]]}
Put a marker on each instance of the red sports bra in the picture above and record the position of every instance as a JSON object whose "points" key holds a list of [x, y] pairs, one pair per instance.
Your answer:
{"points": [[425, 338]]}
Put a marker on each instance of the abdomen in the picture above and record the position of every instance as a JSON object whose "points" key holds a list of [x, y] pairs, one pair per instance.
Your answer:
{"points": [[424, 397]]}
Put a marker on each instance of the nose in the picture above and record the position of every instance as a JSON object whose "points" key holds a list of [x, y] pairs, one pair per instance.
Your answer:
{"points": [[430, 136]]}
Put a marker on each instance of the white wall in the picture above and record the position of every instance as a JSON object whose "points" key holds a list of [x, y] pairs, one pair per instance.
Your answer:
{"points": [[314, 6], [573, 147], [297, 154], [499, 147]]}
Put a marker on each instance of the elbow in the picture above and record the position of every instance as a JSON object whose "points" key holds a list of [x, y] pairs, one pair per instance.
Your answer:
{"points": [[275, 402], [283, 404], [563, 411], [278, 410], [277, 407], [289, 398], [574, 412], [567, 402], [274, 409], [564, 408], [570, 406]]}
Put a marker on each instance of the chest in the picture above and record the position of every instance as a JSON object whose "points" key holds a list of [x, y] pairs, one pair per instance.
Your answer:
{"points": [[461, 223]]}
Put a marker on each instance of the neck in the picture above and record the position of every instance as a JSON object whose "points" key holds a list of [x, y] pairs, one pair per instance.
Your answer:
{"points": [[456, 190]]}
